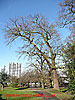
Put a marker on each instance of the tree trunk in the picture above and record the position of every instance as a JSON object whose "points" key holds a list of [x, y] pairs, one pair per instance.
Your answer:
{"points": [[1, 86], [35, 84], [55, 79], [50, 83], [28, 85], [40, 84], [42, 81], [54, 73]]}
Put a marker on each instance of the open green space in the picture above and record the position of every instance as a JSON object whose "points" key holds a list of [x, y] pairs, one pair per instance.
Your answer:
{"points": [[10, 90], [61, 95], [7, 91]]}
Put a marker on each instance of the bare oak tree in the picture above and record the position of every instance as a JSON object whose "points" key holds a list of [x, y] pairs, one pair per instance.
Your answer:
{"points": [[33, 31]]}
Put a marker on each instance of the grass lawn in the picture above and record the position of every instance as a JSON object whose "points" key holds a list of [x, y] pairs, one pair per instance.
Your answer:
{"points": [[61, 95], [10, 91]]}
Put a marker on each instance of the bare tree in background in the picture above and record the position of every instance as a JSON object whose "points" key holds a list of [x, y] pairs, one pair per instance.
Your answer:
{"points": [[30, 76], [67, 13], [33, 31], [40, 65]]}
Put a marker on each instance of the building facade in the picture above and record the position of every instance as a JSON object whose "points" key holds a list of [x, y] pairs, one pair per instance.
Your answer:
{"points": [[15, 69]]}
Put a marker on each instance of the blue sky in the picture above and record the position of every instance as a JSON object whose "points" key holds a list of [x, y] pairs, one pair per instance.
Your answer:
{"points": [[12, 8]]}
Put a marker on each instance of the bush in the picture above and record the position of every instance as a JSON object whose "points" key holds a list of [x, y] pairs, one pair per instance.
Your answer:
{"points": [[72, 86], [14, 85]]}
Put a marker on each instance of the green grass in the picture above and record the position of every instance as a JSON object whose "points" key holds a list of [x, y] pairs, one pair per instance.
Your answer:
{"points": [[10, 90], [60, 95], [16, 88], [63, 89], [6, 91]]}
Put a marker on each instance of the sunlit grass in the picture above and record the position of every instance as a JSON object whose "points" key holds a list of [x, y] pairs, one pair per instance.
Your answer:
{"points": [[60, 95], [5, 91], [10, 90]]}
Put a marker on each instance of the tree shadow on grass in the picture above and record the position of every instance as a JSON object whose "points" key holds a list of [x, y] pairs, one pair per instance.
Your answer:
{"points": [[1, 97], [21, 88]]}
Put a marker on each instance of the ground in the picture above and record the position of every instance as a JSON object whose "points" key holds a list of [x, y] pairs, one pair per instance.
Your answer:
{"points": [[33, 94]]}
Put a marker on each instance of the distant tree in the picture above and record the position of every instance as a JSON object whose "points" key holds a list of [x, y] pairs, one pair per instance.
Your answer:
{"points": [[67, 13], [69, 59], [40, 65], [66, 18], [15, 79], [30, 76], [4, 77]]}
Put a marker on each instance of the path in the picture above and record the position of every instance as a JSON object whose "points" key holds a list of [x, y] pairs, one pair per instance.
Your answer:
{"points": [[46, 98]]}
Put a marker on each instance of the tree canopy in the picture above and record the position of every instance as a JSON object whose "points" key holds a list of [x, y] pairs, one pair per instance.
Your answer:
{"points": [[67, 13], [4, 78], [34, 31]]}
